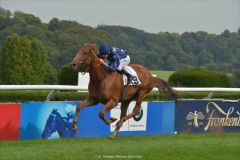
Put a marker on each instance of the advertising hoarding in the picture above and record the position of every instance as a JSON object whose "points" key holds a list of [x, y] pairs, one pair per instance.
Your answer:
{"points": [[9, 121], [202, 116], [51, 120], [48, 120]]}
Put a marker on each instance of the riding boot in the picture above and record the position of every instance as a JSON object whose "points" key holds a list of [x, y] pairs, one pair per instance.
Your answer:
{"points": [[129, 76]]}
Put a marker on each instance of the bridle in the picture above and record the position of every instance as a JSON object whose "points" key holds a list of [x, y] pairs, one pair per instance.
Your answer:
{"points": [[85, 68]]}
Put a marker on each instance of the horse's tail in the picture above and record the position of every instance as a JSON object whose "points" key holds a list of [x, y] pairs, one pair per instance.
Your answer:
{"points": [[165, 87]]}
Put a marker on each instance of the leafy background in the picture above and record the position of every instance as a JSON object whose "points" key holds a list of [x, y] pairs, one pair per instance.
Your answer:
{"points": [[61, 39]]}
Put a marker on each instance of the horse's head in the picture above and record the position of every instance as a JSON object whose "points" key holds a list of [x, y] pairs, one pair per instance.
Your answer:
{"points": [[85, 57]]}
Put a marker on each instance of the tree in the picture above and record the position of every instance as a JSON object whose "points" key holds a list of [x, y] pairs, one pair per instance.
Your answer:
{"points": [[5, 18], [226, 33], [54, 25], [63, 38], [5, 13], [15, 63], [67, 76], [27, 18], [23, 61], [51, 76], [39, 61], [236, 77], [170, 63]]}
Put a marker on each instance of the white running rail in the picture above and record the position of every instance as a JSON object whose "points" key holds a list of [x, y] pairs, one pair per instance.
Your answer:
{"points": [[85, 88], [54, 88]]}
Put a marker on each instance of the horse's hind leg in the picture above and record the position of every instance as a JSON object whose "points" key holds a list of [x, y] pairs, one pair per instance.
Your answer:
{"points": [[108, 106], [137, 107], [124, 107]]}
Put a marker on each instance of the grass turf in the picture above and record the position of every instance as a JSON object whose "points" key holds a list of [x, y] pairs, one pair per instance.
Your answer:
{"points": [[162, 74], [173, 147]]}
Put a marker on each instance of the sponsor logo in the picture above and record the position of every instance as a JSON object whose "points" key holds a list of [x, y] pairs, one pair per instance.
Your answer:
{"points": [[139, 116], [195, 117], [215, 117]]}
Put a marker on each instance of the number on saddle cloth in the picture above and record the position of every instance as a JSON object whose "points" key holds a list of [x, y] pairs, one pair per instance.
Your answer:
{"points": [[134, 80]]}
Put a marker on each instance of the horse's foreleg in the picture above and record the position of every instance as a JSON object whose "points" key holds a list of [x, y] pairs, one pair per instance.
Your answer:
{"points": [[85, 103], [108, 106]]}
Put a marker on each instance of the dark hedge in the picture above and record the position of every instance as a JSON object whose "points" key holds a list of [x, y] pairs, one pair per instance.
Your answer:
{"points": [[30, 96]]}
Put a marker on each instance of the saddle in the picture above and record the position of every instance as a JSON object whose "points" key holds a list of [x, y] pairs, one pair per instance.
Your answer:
{"points": [[132, 78]]}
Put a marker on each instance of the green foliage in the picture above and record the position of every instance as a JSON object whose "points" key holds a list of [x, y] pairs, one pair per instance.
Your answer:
{"points": [[54, 25], [61, 38], [4, 13], [172, 51], [39, 61], [163, 51], [22, 61], [51, 75], [67, 76], [199, 77], [68, 37], [236, 77], [27, 18], [16, 67], [29, 96]]}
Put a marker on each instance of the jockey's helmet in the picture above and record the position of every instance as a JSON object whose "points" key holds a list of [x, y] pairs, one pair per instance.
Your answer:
{"points": [[104, 47]]}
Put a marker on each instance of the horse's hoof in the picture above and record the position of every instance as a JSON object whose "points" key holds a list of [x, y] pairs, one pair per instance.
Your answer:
{"points": [[113, 135], [112, 119], [75, 130]]}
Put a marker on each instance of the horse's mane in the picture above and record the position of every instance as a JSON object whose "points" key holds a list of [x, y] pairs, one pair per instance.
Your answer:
{"points": [[93, 47]]}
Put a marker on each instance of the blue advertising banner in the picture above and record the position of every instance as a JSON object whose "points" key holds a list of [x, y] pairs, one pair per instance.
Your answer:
{"points": [[48, 120], [201, 116], [54, 120], [161, 118]]}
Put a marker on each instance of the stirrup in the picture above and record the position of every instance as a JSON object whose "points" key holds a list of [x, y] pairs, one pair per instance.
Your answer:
{"points": [[128, 75]]}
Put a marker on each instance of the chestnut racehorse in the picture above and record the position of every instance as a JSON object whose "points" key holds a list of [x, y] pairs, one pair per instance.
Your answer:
{"points": [[106, 87]]}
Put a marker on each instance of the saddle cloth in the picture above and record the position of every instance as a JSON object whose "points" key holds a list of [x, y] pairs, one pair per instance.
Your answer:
{"points": [[135, 80]]}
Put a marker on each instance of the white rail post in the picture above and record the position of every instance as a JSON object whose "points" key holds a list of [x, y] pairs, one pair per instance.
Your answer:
{"points": [[51, 95]]}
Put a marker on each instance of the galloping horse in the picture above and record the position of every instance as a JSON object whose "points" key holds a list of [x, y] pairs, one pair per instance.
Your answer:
{"points": [[108, 87]]}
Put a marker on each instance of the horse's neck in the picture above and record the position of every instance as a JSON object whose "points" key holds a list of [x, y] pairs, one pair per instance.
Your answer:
{"points": [[97, 74]]}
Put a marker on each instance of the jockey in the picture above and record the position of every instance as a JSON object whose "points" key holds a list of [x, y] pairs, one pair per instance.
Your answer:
{"points": [[116, 59]]}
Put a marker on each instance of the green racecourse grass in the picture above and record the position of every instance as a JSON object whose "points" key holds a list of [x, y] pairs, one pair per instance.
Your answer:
{"points": [[170, 147], [162, 74]]}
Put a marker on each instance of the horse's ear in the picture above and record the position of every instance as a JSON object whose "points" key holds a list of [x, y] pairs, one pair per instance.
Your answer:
{"points": [[94, 47]]}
